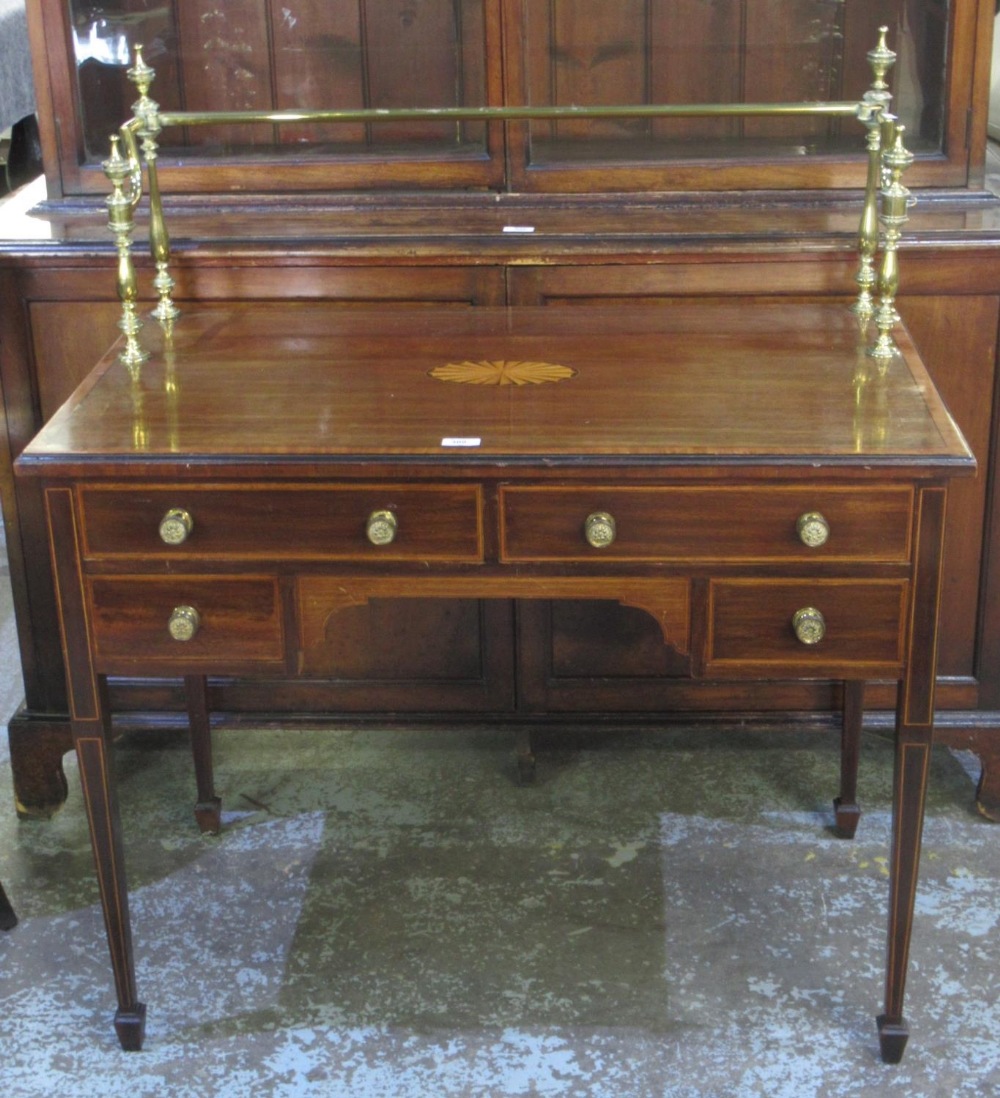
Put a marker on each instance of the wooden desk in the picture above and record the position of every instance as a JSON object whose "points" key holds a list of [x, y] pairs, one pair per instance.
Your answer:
{"points": [[749, 476]]}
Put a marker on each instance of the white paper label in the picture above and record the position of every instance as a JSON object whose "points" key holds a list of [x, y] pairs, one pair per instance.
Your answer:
{"points": [[461, 442], [519, 228]]}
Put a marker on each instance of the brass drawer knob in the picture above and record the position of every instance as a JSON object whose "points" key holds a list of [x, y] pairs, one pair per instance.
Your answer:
{"points": [[381, 527], [176, 526], [184, 622], [813, 529], [809, 625], [599, 529]]}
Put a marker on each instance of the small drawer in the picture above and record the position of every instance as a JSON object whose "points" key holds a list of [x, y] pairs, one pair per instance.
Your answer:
{"points": [[835, 627], [185, 621], [705, 523], [291, 522]]}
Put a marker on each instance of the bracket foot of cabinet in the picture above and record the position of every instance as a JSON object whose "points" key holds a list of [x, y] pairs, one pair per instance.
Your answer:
{"points": [[37, 746], [984, 743]]}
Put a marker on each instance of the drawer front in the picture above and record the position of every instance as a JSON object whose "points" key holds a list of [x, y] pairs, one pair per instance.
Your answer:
{"points": [[707, 523], [293, 522], [235, 622], [752, 625]]}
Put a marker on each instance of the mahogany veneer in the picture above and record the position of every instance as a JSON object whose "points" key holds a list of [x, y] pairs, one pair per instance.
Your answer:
{"points": [[658, 458]]}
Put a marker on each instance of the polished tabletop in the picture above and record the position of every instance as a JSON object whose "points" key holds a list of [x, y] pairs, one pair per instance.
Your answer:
{"points": [[692, 383]]}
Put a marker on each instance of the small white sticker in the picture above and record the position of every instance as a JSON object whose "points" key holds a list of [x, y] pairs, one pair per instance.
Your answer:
{"points": [[519, 228], [461, 442]]}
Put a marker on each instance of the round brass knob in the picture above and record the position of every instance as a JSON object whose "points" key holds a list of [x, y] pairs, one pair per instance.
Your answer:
{"points": [[813, 529], [176, 526], [381, 527], [599, 529], [809, 625], [184, 622]]}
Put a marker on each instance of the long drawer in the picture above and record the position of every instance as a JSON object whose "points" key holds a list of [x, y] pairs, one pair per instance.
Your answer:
{"points": [[292, 522], [782, 523]]}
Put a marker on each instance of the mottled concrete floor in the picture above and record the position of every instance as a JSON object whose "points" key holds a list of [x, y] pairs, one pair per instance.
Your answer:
{"points": [[388, 913]]}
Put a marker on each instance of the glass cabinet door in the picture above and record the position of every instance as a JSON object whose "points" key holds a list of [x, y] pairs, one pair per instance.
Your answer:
{"points": [[718, 51], [275, 54], [266, 55]]}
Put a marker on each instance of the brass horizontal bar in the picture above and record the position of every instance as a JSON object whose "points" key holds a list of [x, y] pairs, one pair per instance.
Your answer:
{"points": [[509, 114]]}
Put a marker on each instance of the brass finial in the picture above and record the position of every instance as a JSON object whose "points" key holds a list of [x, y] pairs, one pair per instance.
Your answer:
{"points": [[147, 114], [881, 59], [140, 73], [145, 109]]}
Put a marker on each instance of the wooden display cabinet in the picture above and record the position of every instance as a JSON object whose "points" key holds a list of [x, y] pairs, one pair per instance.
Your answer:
{"points": [[260, 55], [410, 214]]}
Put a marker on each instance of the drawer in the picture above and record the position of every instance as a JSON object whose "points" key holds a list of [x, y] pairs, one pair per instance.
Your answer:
{"points": [[854, 626], [290, 522], [706, 523], [236, 622]]}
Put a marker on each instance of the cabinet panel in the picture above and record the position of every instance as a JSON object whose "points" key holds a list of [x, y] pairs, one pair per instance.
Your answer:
{"points": [[439, 639], [794, 51], [412, 655], [415, 58], [224, 55], [66, 335], [957, 337], [582, 647], [690, 39], [606, 659], [318, 53], [581, 53]]}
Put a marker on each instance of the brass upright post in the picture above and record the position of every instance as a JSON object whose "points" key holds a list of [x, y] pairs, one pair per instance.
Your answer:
{"points": [[895, 159], [126, 186], [873, 108], [146, 112]]}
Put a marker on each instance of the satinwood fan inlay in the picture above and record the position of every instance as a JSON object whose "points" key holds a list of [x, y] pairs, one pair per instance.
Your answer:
{"points": [[502, 372]]}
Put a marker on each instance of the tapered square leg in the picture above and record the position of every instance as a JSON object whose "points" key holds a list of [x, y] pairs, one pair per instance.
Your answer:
{"points": [[91, 729], [525, 757], [892, 1038], [130, 1025], [914, 737], [847, 813], [208, 808], [97, 777]]}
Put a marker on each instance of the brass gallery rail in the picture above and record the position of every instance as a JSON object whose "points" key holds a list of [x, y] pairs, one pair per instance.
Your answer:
{"points": [[883, 210]]}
